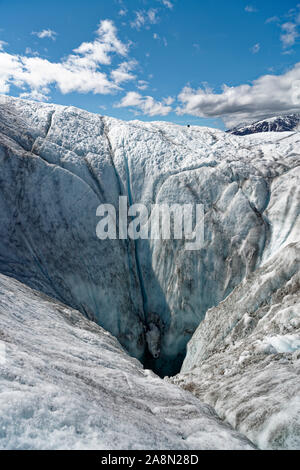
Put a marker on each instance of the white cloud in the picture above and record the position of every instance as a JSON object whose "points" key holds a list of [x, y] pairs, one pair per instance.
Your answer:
{"points": [[122, 73], [250, 9], [34, 95], [168, 101], [142, 84], [123, 12], [272, 19], [99, 50], [139, 20], [77, 72], [45, 33], [8, 67], [2, 44], [143, 18], [255, 49], [167, 4], [267, 96], [289, 35], [158, 38], [152, 16], [145, 104], [290, 28], [29, 51]]}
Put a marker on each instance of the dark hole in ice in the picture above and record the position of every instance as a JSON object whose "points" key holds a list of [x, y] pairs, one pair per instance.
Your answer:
{"points": [[164, 366], [156, 357]]}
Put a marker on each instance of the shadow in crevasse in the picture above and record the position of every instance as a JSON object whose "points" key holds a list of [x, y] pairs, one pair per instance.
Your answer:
{"points": [[157, 317]]}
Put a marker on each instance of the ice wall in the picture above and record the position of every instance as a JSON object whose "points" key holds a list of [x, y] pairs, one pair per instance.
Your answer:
{"points": [[59, 163]]}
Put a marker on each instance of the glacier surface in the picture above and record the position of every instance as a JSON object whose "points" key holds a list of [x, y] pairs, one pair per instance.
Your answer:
{"points": [[236, 299], [59, 163], [68, 384], [244, 358]]}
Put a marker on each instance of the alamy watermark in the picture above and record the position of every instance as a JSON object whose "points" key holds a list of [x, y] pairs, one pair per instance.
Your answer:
{"points": [[166, 222]]}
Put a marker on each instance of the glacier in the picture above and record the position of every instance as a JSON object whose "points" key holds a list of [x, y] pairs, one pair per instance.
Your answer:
{"points": [[59, 163], [68, 384], [244, 358]]}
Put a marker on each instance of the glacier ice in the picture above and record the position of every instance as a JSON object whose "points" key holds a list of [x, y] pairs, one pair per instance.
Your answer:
{"points": [[236, 299], [59, 163], [244, 358], [68, 384]]}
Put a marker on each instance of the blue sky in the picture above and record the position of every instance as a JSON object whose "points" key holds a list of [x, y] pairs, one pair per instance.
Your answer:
{"points": [[210, 63]]}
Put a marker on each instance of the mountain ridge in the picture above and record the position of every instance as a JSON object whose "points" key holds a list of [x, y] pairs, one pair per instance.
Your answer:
{"points": [[283, 123]]}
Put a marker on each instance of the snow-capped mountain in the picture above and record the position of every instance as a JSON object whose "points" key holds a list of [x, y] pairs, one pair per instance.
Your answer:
{"points": [[59, 163], [288, 123]]}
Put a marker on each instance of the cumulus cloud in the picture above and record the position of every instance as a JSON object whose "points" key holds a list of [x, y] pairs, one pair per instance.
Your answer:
{"points": [[146, 104], [169, 100], [77, 72], [45, 33], [267, 96], [107, 42], [123, 72]]}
